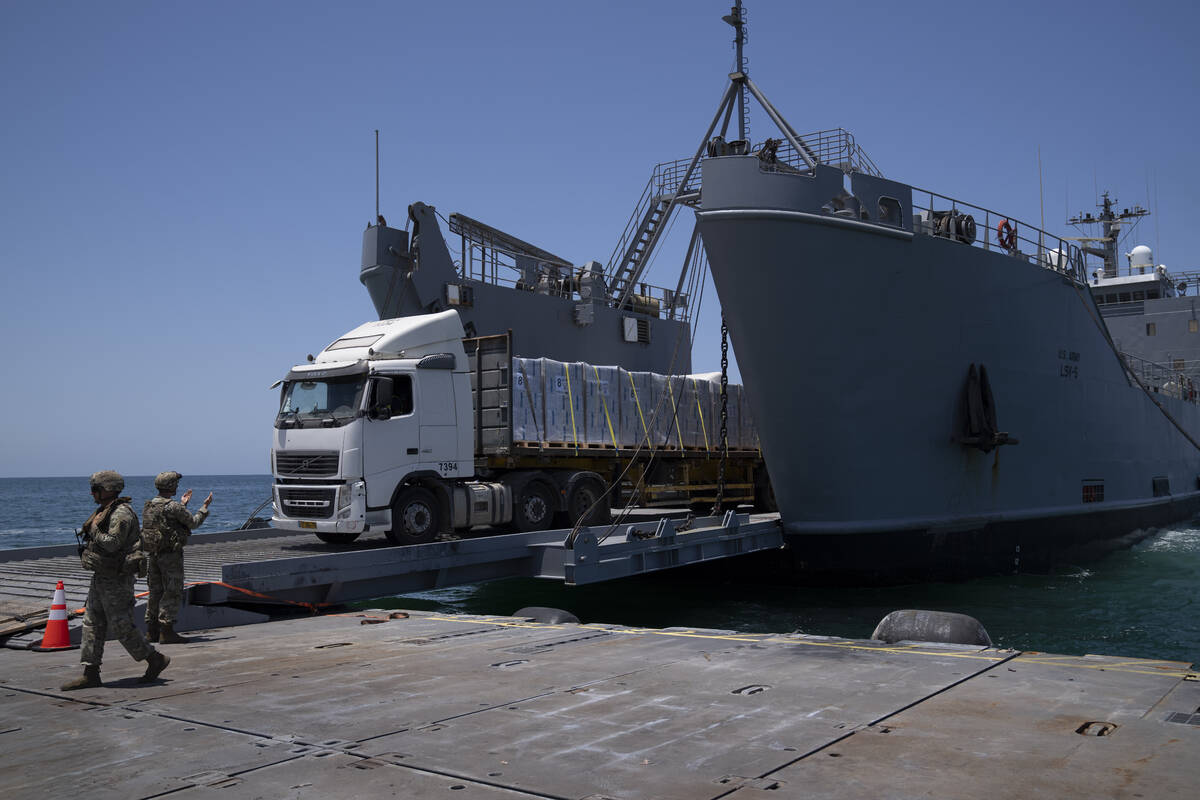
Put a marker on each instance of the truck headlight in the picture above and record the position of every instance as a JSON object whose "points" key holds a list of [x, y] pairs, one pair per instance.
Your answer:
{"points": [[343, 496]]}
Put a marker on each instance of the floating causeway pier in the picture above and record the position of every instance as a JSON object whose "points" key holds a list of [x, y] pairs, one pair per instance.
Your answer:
{"points": [[423, 704], [269, 569], [432, 705]]}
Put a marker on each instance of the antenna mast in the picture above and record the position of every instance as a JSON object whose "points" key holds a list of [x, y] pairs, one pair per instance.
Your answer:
{"points": [[738, 21], [376, 173], [1111, 222]]}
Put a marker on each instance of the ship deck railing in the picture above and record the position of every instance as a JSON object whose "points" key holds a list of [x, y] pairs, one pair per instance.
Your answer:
{"points": [[498, 268], [1030, 243], [834, 147], [1171, 379]]}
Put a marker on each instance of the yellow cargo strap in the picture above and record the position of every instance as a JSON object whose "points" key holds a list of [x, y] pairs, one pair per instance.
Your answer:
{"points": [[638, 403], [571, 404], [703, 427], [604, 405], [675, 413]]}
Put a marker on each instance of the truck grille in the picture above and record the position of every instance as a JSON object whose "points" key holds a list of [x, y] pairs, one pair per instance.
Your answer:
{"points": [[306, 464], [307, 503]]}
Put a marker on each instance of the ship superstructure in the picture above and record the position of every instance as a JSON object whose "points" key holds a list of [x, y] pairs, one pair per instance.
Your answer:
{"points": [[1149, 312], [501, 283]]}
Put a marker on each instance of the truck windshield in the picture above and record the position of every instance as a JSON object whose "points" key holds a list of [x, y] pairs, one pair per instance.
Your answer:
{"points": [[322, 403]]}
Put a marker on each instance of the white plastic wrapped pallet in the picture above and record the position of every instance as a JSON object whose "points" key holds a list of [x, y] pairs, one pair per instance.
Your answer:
{"points": [[563, 401], [576, 403], [527, 406], [602, 399]]}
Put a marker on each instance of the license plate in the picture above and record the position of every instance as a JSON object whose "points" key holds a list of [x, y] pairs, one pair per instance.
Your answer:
{"points": [[309, 525]]}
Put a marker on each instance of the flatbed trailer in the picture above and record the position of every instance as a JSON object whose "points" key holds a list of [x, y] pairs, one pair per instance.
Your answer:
{"points": [[655, 472]]}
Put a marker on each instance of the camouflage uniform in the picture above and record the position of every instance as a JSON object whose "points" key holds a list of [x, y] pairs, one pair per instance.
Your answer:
{"points": [[113, 554], [165, 530], [113, 534]]}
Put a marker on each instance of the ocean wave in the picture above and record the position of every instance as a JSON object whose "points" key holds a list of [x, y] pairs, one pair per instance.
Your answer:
{"points": [[1174, 540]]}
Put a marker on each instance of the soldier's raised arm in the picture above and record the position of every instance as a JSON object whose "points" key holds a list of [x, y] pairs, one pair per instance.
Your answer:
{"points": [[178, 513]]}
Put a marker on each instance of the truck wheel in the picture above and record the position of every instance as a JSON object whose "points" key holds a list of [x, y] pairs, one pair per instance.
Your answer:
{"points": [[414, 517], [588, 495], [534, 507], [336, 538]]}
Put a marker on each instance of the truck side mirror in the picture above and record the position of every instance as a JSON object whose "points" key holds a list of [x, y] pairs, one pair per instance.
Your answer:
{"points": [[381, 407]]}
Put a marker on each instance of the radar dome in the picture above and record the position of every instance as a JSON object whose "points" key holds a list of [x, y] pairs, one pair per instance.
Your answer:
{"points": [[1141, 259], [1056, 259]]}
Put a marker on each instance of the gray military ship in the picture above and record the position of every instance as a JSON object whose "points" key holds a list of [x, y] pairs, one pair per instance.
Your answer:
{"points": [[990, 404]]}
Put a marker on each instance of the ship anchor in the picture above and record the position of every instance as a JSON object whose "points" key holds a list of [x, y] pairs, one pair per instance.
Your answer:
{"points": [[977, 418]]}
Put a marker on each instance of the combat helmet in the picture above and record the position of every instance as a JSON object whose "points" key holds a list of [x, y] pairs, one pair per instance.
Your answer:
{"points": [[167, 480], [108, 480]]}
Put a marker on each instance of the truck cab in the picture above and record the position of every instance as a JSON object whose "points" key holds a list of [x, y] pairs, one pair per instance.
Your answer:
{"points": [[384, 407]]}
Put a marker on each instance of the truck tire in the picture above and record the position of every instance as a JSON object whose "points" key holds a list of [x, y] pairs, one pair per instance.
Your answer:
{"points": [[336, 538], [587, 496], [533, 509], [415, 518]]}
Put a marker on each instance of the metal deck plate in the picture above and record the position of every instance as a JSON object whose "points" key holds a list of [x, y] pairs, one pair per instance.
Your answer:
{"points": [[1040, 726], [328, 706]]}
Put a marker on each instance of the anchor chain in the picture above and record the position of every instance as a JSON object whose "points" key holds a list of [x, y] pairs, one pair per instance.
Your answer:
{"points": [[724, 416]]}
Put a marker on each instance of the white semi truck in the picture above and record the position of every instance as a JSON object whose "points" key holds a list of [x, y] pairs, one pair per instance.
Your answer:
{"points": [[403, 425]]}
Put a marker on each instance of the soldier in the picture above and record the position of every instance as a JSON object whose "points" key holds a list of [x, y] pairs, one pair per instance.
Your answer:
{"points": [[165, 530], [113, 557]]}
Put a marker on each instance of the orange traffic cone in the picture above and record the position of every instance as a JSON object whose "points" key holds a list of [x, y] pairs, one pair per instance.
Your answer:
{"points": [[57, 637]]}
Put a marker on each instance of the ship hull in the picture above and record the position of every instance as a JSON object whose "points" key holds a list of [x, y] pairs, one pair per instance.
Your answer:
{"points": [[854, 341]]}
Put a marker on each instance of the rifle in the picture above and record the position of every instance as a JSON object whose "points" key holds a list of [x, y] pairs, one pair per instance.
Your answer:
{"points": [[82, 541]]}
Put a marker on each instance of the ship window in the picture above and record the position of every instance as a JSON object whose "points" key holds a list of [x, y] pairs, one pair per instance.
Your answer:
{"points": [[1123, 297], [1193, 326], [1110, 298], [1093, 492], [1139, 295], [1177, 363], [1151, 329]]}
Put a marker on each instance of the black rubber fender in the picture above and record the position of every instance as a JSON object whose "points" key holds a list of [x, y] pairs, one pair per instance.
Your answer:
{"points": [[916, 625], [548, 615]]}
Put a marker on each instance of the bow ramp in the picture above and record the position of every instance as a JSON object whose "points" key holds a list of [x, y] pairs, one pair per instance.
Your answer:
{"points": [[267, 568]]}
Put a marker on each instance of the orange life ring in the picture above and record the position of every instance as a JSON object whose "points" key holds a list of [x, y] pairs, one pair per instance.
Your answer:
{"points": [[1006, 235]]}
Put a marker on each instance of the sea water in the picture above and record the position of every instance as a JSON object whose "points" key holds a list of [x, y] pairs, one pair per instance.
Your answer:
{"points": [[45, 511], [1141, 602]]}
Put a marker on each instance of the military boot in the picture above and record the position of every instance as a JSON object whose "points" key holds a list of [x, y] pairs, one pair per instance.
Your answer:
{"points": [[167, 635], [152, 630], [89, 680], [155, 664]]}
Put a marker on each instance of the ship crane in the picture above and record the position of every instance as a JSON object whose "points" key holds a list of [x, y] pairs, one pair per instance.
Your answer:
{"points": [[675, 187]]}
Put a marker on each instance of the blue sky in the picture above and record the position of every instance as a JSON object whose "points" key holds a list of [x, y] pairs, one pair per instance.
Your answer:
{"points": [[183, 185]]}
